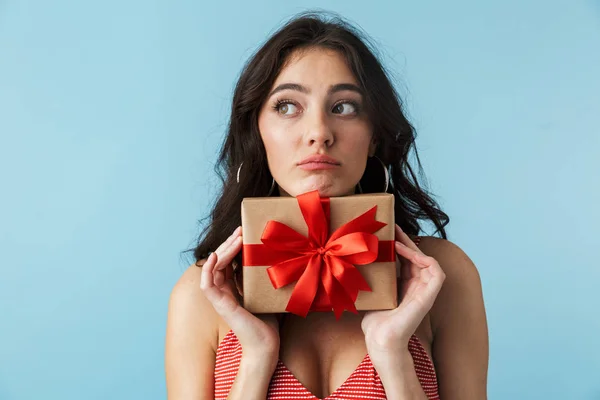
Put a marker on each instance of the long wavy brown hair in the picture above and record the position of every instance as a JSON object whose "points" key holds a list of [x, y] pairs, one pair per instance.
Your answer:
{"points": [[393, 132]]}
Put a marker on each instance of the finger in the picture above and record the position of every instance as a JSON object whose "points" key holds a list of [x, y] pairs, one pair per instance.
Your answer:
{"points": [[222, 303], [225, 260], [207, 285], [415, 256], [405, 251], [229, 240], [233, 313], [426, 275], [226, 274], [228, 253], [421, 297], [436, 271], [219, 278], [224, 271], [225, 248], [206, 275], [407, 241], [431, 290], [236, 316]]}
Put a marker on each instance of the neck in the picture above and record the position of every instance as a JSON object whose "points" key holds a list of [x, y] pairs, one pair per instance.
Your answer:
{"points": [[283, 193]]}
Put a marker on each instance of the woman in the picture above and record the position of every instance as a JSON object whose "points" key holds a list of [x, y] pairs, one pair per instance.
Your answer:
{"points": [[314, 110]]}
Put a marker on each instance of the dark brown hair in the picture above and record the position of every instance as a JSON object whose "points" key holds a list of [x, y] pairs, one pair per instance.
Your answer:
{"points": [[394, 134]]}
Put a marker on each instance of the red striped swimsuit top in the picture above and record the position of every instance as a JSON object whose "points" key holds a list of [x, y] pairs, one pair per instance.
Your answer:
{"points": [[363, 383]]}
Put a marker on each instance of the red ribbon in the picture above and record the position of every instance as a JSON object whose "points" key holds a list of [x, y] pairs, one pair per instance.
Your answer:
{"points": [[323, 266]]}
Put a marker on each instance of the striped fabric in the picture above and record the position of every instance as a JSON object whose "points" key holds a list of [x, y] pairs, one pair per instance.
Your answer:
{"points": [[363, 383]]}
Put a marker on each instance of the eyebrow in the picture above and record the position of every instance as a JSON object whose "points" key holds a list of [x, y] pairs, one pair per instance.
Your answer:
{"points": [[332, 89]]}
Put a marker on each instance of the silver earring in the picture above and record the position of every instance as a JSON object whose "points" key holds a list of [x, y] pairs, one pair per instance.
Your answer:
{"points": [[387, 176], [238, 173], [238, 180]]}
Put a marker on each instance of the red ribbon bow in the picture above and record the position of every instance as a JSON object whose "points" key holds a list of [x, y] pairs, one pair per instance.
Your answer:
{"points": [[323, 267]]}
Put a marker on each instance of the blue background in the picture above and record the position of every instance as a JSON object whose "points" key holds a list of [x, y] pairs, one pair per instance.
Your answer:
{"points": [[110, 117]]}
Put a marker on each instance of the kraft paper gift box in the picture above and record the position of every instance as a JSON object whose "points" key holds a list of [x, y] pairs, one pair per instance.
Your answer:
{"points": [[346, 260]]}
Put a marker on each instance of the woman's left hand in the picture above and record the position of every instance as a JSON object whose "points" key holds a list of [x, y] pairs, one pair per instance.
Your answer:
{"points": [[388, 332]]}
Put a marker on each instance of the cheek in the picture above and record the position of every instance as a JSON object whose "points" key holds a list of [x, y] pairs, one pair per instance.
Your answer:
{"points": [[357, 151], [279, 149], [358, 147]]}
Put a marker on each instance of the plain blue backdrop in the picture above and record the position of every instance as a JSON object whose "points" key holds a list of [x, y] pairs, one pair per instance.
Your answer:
{"points": [[110, 117]]}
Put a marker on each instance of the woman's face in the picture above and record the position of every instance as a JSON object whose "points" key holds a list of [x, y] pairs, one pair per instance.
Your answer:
{"points": [[317, 137]]}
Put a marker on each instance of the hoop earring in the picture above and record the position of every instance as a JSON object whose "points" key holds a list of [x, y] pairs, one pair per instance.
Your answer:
{"points": [[387, 176], [237, 179]]}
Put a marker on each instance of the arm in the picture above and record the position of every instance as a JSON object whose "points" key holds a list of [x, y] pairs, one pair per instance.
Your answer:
{"points": [[388, 332], [400, 380], [440, 279], [252, 380], [191, 343], [459, 326]]}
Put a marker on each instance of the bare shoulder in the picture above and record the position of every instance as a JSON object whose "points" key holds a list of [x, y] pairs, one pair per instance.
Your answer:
{"points": [[191, 339], [459, 324], [188, 307], [463, 281], [445, 250], [455, 263]]}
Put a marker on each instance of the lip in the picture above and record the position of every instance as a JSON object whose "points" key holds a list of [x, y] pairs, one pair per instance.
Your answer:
{"points": [[318, 161]]}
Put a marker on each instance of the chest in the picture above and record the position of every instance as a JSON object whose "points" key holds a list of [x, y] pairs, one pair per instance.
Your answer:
{"points": [[322, 353]]}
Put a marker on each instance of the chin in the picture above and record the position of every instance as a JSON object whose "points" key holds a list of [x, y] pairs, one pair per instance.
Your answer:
{"points": [[325, 190]]}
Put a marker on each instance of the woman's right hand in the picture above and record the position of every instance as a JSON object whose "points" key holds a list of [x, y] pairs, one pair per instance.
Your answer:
{"points": [[258, 335]]}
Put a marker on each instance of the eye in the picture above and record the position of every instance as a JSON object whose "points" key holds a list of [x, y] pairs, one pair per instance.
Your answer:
{"points": [[287, 105], [354, 106], [283, 105]]}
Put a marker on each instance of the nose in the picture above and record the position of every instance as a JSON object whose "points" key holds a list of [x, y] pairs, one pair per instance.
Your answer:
{"points": [[319, 132]]}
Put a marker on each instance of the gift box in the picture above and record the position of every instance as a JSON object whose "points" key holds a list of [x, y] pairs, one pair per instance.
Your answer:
{"points": [[308, 253]]}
